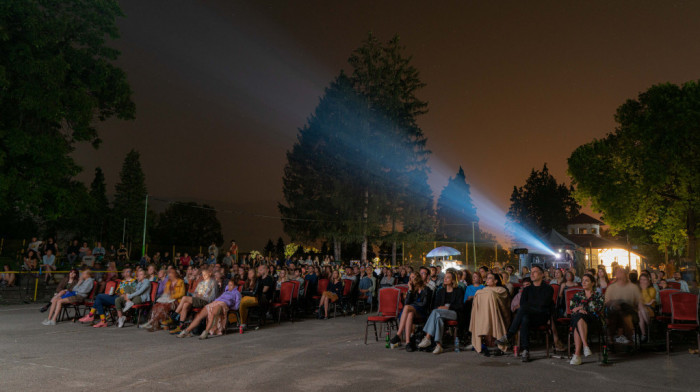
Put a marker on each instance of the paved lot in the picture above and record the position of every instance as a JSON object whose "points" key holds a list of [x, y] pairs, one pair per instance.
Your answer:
{"points": [[308, 355]]}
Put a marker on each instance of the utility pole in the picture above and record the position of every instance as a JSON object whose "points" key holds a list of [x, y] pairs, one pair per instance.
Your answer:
{"points": [[145, 217]]}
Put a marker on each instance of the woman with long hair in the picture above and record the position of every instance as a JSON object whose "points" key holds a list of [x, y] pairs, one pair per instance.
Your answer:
{"points": [[646, 308], [586, 307], [447, 302], [602, 280], [173, 292], [66, 284], [74, 293], [416, 307], [249, 295], [331, 295]]}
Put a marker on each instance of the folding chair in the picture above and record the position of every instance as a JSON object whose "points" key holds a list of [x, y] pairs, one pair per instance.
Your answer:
{"points": [[674, 285], [389, 299], [320, 288], [684, 316], [144, 307], [344, 300], [284, 300], [76, 306]]}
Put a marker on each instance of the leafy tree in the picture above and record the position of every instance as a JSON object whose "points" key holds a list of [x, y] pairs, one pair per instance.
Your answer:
{"points": [[57, 76], [645, 174], [541, 204], [456, 210], [187, 224], [130, 198]]}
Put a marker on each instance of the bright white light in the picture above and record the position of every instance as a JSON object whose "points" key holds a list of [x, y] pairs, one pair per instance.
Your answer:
{"points": [[557, 256]]}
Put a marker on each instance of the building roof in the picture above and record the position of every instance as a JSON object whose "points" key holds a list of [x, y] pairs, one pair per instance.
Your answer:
{"points": [[556, 240], [593, 241], [585, 219]]}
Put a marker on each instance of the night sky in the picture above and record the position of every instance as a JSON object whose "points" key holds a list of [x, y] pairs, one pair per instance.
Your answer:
{"points": [[221, 87]]}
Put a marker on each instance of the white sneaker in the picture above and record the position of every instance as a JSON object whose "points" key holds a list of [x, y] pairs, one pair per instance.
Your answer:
{"points": [[586, 351], [52, 322], [127, 306], [120, 321], [146, 325], [204, 335], [438, 349], [575, 360], [469, 347], [46, 322], [424, 343], [622, 339]]}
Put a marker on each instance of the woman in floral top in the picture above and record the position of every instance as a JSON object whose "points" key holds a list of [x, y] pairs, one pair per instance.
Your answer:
{"points": [[586, 308]]}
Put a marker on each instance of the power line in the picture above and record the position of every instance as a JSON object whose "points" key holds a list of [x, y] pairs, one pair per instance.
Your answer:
{"points": [[201, 207]]}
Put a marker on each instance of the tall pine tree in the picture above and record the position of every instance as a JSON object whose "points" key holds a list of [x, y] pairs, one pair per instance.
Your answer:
{"points": [[456, 211], [130, 198]]}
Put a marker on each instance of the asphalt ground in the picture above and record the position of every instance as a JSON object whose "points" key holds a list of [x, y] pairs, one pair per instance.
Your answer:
{"points": [[307, 355]]}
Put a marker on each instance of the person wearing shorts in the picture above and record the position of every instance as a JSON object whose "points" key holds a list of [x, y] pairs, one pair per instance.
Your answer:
{"points": [[202, 296], [77, 294], [331, 295]]}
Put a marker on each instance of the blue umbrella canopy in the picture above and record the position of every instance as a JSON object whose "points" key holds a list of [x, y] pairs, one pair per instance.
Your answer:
{"points": [[443, 251]]}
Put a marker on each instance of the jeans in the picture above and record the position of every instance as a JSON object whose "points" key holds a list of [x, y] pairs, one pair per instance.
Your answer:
{"points": [[435, 326], [71, 258], [101, 300], [523, 321]]}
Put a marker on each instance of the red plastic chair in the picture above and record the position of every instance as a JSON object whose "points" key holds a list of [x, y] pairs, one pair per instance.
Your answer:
{"points": [[389, 299], [684, 316], [674, 285], [665, 297], [320, 288], [285, 299], [570, 292], [345, 298], [76, 305], [144, 307], [556, 288]]}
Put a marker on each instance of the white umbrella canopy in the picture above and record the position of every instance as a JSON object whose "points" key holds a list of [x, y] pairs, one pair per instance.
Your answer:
{"points": [[443, 251]]}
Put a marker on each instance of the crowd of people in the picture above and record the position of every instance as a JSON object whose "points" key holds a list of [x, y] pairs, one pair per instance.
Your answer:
{"points": [[494, 308]]}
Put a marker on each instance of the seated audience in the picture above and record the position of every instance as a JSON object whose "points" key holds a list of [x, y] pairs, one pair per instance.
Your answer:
{"points": [[623, 300], [72, 293], [204, 293], [536, 307], [447, 302], [646, 310], [215, 313], [586, 308], [515, 303], [677, 278], [140, 294], [7, 278], [173, 291], [416, 308], [331, 295], [490, 313], [127, 285]]}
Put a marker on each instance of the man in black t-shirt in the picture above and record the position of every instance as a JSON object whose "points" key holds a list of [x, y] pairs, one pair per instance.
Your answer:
{"points": [[536, 305], [266, 287]]}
